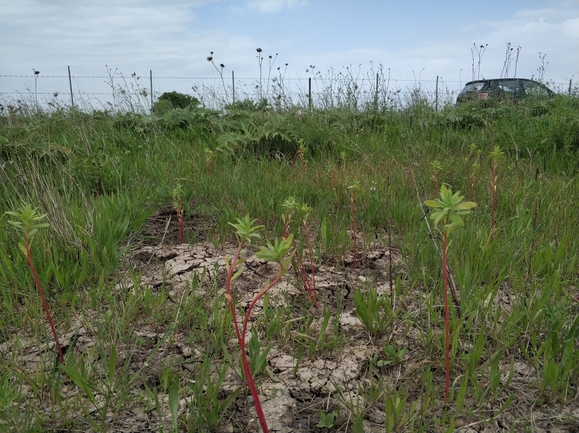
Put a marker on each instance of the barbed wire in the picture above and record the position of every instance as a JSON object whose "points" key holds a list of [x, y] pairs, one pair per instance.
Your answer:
{"points": [[219, 78]]}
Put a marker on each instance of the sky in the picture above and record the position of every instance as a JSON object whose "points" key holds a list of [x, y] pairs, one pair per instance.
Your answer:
{"points": [[413, 41]]}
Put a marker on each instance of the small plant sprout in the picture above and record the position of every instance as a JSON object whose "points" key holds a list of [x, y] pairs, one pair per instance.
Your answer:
{"points": [[291, 205], [177, 194], [300, 152], [29, 221], [436, 167], [280, 252], [449, 209], [343, 158], [352, 188], [497, 155], [326, 419]]}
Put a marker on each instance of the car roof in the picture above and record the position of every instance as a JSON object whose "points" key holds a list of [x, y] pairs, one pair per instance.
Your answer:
{"points": [[485, 80]]}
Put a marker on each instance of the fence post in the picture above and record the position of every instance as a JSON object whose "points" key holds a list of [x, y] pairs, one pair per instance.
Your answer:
{"points": [[436, 97], [310, 93], [70, 84], [233, 86], [151, 84], [376, 96], [570, 79]]}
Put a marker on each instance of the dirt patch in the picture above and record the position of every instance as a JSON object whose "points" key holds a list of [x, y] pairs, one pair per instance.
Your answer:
{"points": [[298, 381]]}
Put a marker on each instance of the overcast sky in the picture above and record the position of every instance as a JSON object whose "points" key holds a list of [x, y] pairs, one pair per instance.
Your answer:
{"points": [[414, 40]]}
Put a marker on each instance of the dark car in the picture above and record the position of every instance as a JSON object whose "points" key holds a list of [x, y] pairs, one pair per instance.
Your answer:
{"points": [[503, 89]]}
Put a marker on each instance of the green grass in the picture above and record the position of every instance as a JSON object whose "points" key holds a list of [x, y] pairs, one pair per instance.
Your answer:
{"points": [[100, 176]]}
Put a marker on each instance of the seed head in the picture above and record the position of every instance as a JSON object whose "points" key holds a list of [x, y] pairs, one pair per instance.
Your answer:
{"points": [[209, 58], [259, 50], [222, 65]]}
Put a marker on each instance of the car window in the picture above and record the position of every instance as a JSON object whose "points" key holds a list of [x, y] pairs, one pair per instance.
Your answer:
{"points": [[507, 86], [473, 87], [535, 89]]}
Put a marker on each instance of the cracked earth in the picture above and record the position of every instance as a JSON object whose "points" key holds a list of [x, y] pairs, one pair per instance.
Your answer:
{"points": [[294, 386]]}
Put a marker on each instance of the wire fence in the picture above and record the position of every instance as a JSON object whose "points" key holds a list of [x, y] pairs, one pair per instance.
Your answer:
{"points": [[137, 93]]}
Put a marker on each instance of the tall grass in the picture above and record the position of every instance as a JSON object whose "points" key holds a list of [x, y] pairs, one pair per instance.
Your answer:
{"points": [[99, 176]]}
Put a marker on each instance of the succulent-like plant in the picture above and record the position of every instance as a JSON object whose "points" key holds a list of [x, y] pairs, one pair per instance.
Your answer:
{"points": [[448, 209]]}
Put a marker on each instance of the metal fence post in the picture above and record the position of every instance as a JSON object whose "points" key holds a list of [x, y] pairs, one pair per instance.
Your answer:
{"points": [[436, 97], [310, 93], [233, 85], [376, 96], [151, 83], [70, 84]]}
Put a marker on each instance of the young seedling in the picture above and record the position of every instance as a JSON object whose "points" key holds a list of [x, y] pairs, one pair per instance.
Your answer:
{"points": [[436, 167], [178, 205], [280, 252], [355, 185], [449, 209], [497, 155], [300, 152], [291, 206], [29, 221], [326, 419]]}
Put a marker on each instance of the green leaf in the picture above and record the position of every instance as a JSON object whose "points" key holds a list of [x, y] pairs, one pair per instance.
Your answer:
{"points": [[246, 230], [449, 208], [277, 251]]}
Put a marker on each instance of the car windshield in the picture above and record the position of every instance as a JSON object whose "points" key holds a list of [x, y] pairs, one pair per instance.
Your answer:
{"points": [[473, 87]]}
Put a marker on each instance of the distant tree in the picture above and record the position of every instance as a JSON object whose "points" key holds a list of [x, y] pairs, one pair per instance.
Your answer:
{"points": [[169, 100]]}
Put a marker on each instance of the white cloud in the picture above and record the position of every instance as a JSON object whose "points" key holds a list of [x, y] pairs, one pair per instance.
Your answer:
{"points": [[272, 6]]}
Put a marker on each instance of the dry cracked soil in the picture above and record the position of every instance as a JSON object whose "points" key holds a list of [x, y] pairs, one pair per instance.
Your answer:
{"points": [[294, 386]]}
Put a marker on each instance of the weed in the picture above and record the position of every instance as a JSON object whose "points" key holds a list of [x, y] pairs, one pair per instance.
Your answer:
{"points": [[448, 208], [246, 231], [374, 311], [29, 221], [326, 419], [177, 194]]}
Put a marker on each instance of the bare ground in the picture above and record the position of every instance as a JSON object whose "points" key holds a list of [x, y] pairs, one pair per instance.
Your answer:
{"points": [[295, 386]]}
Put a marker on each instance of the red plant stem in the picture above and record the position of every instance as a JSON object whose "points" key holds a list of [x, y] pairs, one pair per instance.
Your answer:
{"points": [[228, 289], [312, 270], [44, 303], [494, 196], [435, 177], [298, 264], [354, 227], [446, 316], [181, 224], [299, 267], [246, 367]]}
